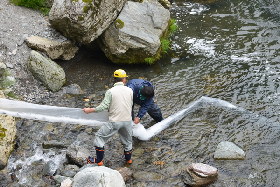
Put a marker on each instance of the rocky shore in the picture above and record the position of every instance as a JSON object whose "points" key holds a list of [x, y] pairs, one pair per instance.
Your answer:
{"points": [[16, 24], [46, 153]]}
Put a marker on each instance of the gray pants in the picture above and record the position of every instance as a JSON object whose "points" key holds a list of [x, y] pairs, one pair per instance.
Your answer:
{"points": [[124, 128]]}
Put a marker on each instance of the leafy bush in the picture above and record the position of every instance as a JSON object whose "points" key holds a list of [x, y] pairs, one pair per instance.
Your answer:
{"points": [[33, 4], [165, 43]]}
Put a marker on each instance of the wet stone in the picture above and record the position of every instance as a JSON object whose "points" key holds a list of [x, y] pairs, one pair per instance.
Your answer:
{"points": [[54, 144], [73, 89], [77, 155], [70, 171], [228, 151], [58, 179], [148, 176], [125, 172], [49, 168], [203, 169], [199, 174]]}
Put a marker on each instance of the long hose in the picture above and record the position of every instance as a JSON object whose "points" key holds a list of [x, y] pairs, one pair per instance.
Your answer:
{"points": [[77, 116]]}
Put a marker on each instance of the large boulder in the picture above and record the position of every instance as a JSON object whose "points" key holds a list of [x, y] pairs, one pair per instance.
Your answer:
{"points": [[8, 133], [53, 49], [135, 34], [98, 176], [47, 71], [84, 20]]}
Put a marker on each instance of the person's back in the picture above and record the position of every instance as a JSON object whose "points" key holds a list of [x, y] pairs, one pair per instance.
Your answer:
{"points": [[119, 100], [120, 108]]}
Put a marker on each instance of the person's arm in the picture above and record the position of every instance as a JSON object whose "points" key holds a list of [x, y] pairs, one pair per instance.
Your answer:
{"points": [[89, 110], [103, 105], [144, 108]]}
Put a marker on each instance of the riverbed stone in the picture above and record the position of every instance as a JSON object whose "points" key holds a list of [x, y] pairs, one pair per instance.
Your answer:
{"points": [[54, 144], [77, 155], [208, 2], [229, 151], [53, 49], [47, 71], [98, 176], [70, 171], [73, 89], [66, 183], [148, 176], [8, 133], [59, 179], [49, 168], [125, 172], [199, 174], [135, 34], [84, 20]]}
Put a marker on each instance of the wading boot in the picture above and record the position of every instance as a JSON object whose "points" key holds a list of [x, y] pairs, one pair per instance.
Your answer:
{"points": [[99, 157], [127, 155]]}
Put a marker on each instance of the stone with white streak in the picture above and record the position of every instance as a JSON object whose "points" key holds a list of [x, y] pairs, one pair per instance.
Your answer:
{"points": [[199, 174]]}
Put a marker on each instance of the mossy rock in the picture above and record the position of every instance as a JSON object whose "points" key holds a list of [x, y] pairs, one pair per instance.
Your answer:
{"points": [[208, 2]]}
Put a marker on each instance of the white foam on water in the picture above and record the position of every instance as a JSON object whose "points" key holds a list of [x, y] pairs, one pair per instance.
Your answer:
{"points": [[25, 162]]}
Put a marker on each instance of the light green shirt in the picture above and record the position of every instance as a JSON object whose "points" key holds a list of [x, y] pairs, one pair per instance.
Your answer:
{"points": [[107, 99]]}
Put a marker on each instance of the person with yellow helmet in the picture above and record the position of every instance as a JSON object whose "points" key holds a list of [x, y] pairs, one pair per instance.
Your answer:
{"points": [[119, 100]]}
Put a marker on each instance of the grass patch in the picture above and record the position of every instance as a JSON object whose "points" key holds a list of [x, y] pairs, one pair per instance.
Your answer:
{"points": [[6, 84], [165, 43], [33, 4]]}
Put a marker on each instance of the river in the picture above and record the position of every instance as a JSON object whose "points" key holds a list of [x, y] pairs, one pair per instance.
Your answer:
{"points": [[229, 50]]}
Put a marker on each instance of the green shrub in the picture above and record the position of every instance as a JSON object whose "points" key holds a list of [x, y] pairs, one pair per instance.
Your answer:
{"points": [[6, 82], [33, 4], [173, 26], [165, 43]]}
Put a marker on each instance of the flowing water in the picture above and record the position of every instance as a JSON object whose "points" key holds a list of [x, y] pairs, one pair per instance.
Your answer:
{"points": [[229, 50]]}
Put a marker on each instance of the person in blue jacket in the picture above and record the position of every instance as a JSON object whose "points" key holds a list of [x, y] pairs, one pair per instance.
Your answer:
{"points": [[143, 94]]}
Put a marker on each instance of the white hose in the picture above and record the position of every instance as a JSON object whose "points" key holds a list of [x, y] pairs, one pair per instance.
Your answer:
{"points": [[77, 116]]}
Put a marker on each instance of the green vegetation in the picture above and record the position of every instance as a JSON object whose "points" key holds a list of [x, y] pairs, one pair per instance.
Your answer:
{"points": [[6, 83], [2, 132], [119, 24], [33, 4], [87, 1], [86, 8], [165, 43]]}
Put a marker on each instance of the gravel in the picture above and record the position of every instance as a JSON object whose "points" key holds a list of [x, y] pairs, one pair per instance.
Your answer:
{"points": [[16, 24]]}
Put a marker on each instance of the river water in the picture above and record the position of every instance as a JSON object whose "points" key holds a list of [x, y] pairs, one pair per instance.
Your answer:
{"points": [[229, 50]]}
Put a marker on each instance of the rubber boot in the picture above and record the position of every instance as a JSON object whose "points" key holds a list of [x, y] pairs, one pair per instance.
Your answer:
{"points": [[127, 155], [99, 157]]}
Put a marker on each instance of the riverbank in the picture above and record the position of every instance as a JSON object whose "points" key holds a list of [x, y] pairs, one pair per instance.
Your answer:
{"points": [[16, 24], [30, 156]]}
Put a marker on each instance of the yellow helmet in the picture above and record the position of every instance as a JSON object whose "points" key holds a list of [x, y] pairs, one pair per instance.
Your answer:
{"points": [[120, 73]]}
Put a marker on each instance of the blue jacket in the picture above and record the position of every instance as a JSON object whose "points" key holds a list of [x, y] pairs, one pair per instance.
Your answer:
{"points": [[135, 85]]}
